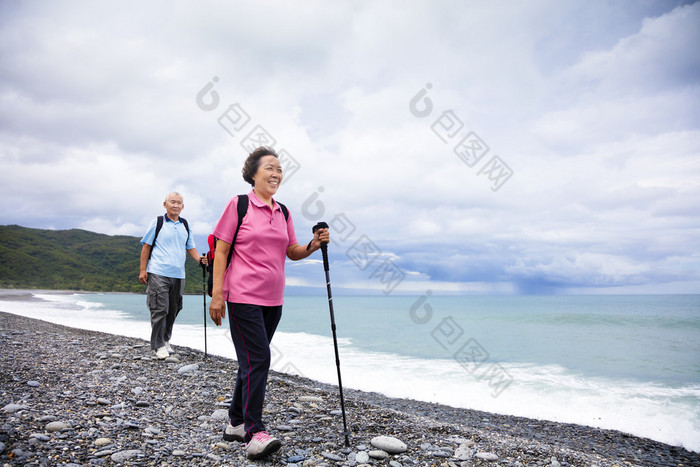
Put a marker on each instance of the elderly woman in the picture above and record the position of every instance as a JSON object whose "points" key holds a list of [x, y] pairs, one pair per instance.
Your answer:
{"points": [[252, 289]]}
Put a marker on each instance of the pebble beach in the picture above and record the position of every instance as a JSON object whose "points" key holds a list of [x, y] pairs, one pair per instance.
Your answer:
{"points": [[75, 397]]}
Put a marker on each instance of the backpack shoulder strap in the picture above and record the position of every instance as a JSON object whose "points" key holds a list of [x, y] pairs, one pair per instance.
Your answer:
{"points": [[159, 225], [284, 210], [187, 226], [242, 208]]}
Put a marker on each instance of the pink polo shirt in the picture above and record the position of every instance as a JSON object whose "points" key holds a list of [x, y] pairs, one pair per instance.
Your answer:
{"points": [[256, 273]]}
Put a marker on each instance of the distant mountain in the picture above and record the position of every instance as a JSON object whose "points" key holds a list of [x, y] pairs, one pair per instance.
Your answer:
{"points": [[76, 260]]}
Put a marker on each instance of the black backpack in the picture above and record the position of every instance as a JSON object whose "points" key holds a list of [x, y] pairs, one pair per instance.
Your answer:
{"points": [[242, 209]]}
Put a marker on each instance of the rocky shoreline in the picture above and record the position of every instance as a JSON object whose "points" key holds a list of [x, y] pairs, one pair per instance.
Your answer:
{"points": [[76, 397]]}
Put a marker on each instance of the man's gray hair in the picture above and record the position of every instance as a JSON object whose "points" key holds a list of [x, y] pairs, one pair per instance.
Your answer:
{"points": [[171, 194]]}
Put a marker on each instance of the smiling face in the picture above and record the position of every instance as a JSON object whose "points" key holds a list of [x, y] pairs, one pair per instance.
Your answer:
{"points": [[173, 206], [268, 176]]}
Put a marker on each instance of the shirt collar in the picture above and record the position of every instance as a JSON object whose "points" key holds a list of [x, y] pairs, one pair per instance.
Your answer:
{"points": [[256, 201], [167, 219]]}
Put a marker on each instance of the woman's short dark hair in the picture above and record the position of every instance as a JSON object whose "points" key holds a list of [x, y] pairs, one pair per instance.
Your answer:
{"points": [[253, 162]]}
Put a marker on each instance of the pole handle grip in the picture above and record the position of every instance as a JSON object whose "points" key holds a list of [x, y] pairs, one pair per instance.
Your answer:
{"points": [[324, 245]]}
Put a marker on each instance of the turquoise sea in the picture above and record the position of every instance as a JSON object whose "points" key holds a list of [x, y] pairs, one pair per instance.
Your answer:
{"points": [[630, 363]]}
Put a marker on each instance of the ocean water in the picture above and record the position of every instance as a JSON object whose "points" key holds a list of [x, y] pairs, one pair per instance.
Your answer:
{"points": [[630, 363]]}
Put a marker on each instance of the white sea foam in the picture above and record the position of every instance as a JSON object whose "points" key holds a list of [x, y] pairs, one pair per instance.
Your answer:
{"points": [[670, 414], [71, 310]]}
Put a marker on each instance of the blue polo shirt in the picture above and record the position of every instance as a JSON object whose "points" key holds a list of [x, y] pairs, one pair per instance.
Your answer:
{"points": [[169, 255]]}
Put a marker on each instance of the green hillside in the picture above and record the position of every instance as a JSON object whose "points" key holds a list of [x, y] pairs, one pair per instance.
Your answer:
{"points": [[75, 260]]}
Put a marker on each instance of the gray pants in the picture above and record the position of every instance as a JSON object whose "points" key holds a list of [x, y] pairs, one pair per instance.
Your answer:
{"points": [[164, 299]]}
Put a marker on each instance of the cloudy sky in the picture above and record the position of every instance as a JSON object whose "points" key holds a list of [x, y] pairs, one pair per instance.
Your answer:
{"points": [[453, 146]]}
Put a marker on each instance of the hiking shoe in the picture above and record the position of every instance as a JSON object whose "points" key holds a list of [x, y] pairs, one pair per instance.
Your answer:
{"points": [[234, 433], [168, 348], [262, 445], [162, 353]]}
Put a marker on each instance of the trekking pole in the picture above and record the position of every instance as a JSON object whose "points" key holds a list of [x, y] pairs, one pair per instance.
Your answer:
{"points": [[324, 251], [204, 299]]}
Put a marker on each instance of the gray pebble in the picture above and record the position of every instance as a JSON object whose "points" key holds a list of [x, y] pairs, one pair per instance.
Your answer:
{"points": [[333, 457], [55, 426], [12, 408], [17, 452], [378, 454], [311, 399], [389, 444], [122, 456], [362, 457], [487, 456], [103, 453], [188, 368], [99, 442], [33, 384], [463, 453]]}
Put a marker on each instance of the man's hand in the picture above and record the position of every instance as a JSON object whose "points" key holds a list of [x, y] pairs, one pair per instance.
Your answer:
{"points": [[143, 277]]}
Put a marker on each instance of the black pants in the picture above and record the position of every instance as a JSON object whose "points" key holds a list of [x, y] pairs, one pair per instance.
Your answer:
{"points": [[252, 328], [164, 298]]}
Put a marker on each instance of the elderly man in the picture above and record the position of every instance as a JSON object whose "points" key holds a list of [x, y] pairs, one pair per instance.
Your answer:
{"points": [[163, 256]]}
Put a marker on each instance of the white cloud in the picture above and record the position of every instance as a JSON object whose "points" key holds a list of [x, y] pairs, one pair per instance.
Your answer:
{"points": [[657, 58], [592, 106]]}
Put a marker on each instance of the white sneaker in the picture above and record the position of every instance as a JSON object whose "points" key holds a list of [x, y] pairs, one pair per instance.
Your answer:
{"points": [[262, 445], [168, 348], [162, 353], [234, 433]]}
